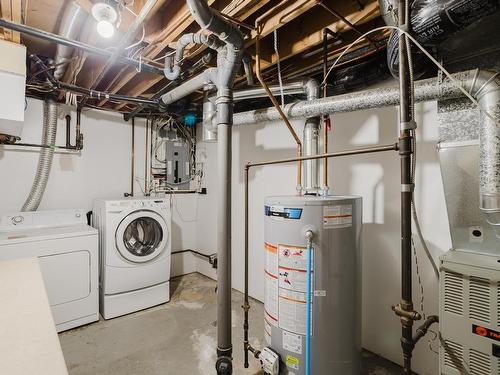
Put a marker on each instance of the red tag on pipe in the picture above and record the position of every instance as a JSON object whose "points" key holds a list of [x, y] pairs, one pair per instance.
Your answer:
{"points": [[328, 124]]}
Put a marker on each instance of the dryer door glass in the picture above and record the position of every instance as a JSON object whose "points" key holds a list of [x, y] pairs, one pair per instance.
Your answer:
{"points": [[143, 236]]}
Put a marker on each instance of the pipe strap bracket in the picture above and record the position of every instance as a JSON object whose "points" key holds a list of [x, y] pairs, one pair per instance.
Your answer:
{"points": [[407, 188], [409, 125]]}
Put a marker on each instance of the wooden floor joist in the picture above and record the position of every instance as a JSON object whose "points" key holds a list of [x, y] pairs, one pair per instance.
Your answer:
{"points": [[299, 25]]}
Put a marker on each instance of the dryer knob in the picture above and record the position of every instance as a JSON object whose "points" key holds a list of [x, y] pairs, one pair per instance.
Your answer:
{"points": [[16, 220]]}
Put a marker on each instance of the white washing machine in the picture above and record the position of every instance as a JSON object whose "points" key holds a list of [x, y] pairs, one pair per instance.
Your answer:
{"points": [[67, 249], [135, 247]]}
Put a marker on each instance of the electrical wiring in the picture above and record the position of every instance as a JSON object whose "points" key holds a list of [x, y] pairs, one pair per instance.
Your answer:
{"points": [[455, 82]]}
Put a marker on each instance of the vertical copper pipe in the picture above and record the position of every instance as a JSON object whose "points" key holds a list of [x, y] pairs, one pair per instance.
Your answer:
{"points": [[326, 118], [132, 178], [146, 159], [277, 106]]}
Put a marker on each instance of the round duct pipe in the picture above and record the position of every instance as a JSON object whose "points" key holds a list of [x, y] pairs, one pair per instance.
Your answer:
{"points": [[432, 22]]}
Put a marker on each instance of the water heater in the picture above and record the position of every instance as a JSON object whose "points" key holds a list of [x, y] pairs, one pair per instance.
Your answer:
{"points": [[335, 283]]}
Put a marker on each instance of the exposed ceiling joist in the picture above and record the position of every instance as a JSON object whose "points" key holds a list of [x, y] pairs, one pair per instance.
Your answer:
{"points": [[11, 10]]}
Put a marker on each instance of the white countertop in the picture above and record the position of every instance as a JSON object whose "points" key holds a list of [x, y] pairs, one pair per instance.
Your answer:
{"points": [[28, 339]]}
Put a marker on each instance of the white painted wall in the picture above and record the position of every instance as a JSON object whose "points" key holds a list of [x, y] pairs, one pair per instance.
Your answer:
{"points": [[374, 177], [101, 169]]}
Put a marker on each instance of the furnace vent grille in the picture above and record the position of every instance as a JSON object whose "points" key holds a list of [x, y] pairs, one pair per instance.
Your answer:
{"points": [[453, 293], [453, 355], [479, 363], [498, 305], [479, 299]]}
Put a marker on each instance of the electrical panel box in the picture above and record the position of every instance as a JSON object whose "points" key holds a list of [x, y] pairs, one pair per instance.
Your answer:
{"points": [[469, 294], [178, 161], [12, 87]]}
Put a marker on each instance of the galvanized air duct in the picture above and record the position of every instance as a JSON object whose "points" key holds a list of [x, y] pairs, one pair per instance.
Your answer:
{"points": [[46, 156], [484, 85], [309, 87], [487, 91], [72, 21]]}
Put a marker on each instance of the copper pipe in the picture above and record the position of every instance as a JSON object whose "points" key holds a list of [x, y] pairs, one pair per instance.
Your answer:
{"points": [[326, 118], [146, 159], [346, 21], [358, 151], [278, 107], [133, 158]]}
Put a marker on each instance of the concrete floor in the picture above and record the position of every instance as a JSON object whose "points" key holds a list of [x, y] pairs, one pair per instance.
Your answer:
{"points": [[175, 338]]}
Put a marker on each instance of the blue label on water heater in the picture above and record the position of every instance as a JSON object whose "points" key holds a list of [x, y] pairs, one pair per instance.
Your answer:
{"points": [[286, 213]]}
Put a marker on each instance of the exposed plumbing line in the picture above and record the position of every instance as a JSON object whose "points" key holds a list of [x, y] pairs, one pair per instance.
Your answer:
{"points": [[54, 38], [229, 61], [405, 309], [246, 304], [345, 20], [124, 42], [277, 106]]}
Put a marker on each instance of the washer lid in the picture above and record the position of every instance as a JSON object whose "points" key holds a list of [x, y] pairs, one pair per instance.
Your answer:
{"points": [[141, 236]]}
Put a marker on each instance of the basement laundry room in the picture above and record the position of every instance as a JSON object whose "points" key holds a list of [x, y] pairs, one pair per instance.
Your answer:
{"points": [[280, 187]]}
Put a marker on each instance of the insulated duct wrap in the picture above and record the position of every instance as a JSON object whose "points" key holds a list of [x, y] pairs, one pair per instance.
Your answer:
{"points": [[46, 156], [432, 22]]}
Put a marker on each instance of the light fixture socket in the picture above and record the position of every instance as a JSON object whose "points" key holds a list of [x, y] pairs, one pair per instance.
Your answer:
{"points": [[105, 11]]}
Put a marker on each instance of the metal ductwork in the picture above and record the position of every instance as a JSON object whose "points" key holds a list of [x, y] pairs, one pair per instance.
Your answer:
{"points": [[71, 23], [487, 91], [310, 141], [483, 85], [432, 22], [46, 155], [309, 87]]}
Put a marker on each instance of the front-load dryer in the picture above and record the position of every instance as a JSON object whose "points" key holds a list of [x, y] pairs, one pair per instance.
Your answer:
{"points": [[135, 249]]}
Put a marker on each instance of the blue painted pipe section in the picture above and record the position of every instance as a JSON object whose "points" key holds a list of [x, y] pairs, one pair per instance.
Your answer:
{"points": [[308, 306]]}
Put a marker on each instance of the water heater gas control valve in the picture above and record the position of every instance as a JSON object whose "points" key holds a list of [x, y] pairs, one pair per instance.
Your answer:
{"points": [[270, 361]]}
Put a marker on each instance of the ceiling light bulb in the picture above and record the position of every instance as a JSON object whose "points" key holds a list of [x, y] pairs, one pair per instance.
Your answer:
{"points": [[105, 29]]}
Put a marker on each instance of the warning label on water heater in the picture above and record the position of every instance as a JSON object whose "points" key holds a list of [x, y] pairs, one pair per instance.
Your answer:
{"points": [[337, 216], [271, 283], [292, 268], [292, 342]]}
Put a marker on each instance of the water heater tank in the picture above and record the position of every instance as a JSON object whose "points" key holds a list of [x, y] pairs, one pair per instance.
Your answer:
{"points": [[335, 283]]}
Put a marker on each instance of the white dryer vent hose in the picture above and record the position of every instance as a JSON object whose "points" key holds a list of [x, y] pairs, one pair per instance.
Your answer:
{"points": [[46, 155]]}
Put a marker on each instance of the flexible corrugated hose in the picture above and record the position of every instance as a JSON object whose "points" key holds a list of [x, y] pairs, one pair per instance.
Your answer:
{"points": [[46, 156]]}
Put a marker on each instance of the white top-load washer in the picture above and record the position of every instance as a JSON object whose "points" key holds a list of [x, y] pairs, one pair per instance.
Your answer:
{"points": [[67, 249], [134, 243]]}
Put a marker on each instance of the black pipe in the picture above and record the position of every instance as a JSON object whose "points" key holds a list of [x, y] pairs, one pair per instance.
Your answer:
{"points": [[79, 135], [405, 309], [55, 147], [93, 94], [40, 34], [246, 305], [87, 92], [209, 257], [422, 330], [68, 130]]}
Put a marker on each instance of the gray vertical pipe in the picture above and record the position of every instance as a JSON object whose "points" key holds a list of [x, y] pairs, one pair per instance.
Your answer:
{"points": [[228, 64]]}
